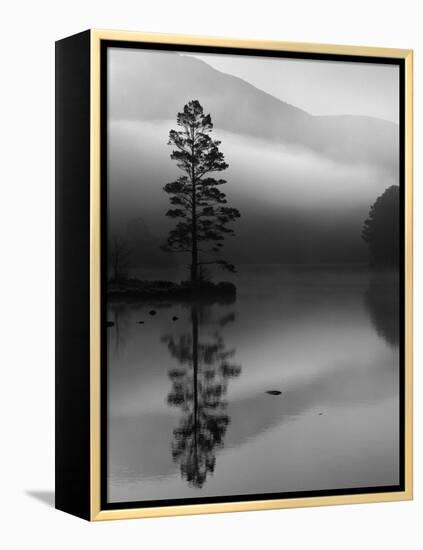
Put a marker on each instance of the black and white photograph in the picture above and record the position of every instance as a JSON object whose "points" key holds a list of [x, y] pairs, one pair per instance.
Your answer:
{"points": [[211, 264], [252, 275]]}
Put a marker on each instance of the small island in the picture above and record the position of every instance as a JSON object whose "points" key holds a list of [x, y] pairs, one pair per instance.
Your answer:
{"points": [[135, 289], [200, 211]]}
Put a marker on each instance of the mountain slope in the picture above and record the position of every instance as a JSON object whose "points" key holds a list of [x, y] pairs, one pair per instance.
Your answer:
{"points": [[158, 84]]}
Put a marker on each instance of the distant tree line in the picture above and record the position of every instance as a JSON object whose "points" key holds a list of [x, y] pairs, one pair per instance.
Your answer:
{"points": [[119, 256], [381, 229]]}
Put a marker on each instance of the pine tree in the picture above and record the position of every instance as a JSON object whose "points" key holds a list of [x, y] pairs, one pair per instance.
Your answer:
{"points": [[199, 204]]}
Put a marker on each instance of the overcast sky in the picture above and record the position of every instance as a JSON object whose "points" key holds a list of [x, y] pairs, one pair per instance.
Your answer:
{"points": [[319, 87]]}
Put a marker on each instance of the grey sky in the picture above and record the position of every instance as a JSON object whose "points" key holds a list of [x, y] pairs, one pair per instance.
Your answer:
{"points": [[320, 87]]}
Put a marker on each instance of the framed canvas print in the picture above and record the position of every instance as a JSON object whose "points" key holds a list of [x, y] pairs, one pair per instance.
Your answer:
{"points": [[234, 278]]}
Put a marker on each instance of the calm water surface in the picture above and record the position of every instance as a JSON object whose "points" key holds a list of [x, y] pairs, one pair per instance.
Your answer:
{"points": [[188, 410]]}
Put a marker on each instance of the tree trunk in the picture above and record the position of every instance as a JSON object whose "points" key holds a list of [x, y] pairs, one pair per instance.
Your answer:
{"points": [[194, 264], [194, 246]]}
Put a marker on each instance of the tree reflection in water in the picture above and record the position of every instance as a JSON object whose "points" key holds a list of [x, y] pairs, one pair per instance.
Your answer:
{"points": [[383, 305], [199, 387], [118, 314]]}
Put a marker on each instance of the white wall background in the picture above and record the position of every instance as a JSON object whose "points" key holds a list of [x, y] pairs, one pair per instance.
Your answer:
{"points": [[28, 31]]}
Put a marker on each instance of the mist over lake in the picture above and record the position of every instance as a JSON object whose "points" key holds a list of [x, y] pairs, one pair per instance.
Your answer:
{"points": [[279, 188]]}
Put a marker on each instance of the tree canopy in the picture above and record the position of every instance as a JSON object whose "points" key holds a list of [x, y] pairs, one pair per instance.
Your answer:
{"points": [[381, 228]]}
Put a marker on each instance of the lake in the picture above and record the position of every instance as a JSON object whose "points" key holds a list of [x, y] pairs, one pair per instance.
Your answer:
{"points": [[189, 409]]}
